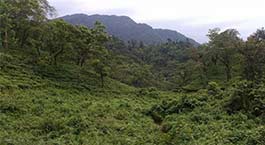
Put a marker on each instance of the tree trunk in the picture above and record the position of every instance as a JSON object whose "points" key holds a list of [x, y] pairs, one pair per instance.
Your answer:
{"points": [[55, 60], [82, 62], [38, 52], [23, 39], [6, 40], [228, 68], [56, 56], [78, 61], [228, 73], [1, 42], [102, 80], [22, 35]]}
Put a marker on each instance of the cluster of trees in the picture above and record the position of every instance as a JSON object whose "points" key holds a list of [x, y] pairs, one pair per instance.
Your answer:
{"points": [[232, 56], [225, 58], [25, 27], [144, 65], [18, 18]]}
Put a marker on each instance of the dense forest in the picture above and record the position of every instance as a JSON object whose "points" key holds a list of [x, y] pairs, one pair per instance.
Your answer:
{"points": [[127, 29], [70, 84]]}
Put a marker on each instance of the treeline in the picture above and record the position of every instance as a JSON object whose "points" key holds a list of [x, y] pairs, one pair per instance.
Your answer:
{"points": [[225, 59], [25, 28], [238, 58]]}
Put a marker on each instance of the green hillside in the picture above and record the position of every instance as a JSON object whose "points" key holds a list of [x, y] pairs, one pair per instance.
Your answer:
{"points": [[127, 29], [65, 105], [65, 84]]}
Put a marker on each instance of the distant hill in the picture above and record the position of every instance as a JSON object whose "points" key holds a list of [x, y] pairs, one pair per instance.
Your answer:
{"points": [[127, 29]]}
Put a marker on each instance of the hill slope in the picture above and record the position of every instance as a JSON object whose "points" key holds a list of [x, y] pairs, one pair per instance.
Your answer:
{"points": [[126, 29], [43, 104]]}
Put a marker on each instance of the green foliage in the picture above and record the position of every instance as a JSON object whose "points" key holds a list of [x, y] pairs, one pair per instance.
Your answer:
{"points": [[224, 45], [102, 69], [66, 105], [184, 104], [89, 94], [214, 89], [253, 53], [58, 39], [5, 59], [247, 97], [128, 30], [257, 136], [16, 28], [148, 92]]}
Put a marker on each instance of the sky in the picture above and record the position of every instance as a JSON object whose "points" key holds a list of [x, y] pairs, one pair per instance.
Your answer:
{"points": [[192, 18]]}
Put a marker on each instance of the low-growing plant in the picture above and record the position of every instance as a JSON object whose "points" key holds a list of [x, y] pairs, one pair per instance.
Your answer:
{"points": [[213, 88], [151, 92], [184, 104], [247, 97]]}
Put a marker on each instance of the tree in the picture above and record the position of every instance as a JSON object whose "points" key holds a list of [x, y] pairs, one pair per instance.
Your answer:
{"points": [[22, 15], [1, 46], [83, 43], [102, 69], [5, 23], [253, 52], [58, 38], [224, 45], [142, 76], [90, 43], [184, 73], [203, 60], [100, 53]]}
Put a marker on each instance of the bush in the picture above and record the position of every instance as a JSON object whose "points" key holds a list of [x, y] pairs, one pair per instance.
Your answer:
{"points": [[258, 137], [247, 97], [149, 92], [5, 59], [183, 105], [214, 89], [9, 108], [50, 125]]}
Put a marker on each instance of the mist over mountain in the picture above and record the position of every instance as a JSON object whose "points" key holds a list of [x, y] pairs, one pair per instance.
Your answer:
{"points": [[127, 29]]}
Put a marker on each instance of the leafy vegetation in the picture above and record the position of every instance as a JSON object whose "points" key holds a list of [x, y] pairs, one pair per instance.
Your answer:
{"points": [[128, 30], [66, 84]]}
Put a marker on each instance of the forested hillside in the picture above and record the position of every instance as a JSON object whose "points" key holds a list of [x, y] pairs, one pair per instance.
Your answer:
{"points": [[126, 29], [70, 84]]}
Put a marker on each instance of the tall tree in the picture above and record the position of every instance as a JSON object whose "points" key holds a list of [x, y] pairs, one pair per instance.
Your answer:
{"points": [[225, 45], [58, 39], [5, 23], [83, 44], [184, 73], [253, 52], [203, 60], [101, 67], [90, 43]]}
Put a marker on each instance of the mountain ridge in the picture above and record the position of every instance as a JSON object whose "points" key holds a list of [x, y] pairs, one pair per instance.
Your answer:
{"points": [[127, 29]]}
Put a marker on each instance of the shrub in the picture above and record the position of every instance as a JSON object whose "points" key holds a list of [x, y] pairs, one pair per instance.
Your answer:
{"points": [[248, 98], [5, 59], [184, 104], [214, 89], [149, 92], [258, 137], [50, 125], [78, 124], [9, 108]]}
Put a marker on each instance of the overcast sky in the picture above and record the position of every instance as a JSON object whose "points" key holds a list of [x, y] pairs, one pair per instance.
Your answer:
{"points": [[191, 17]]}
